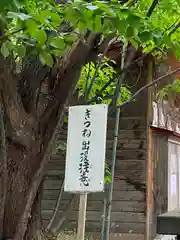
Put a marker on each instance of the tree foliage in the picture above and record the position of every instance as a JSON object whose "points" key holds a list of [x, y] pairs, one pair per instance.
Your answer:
{"points": [[100, 77], [49, 28]]}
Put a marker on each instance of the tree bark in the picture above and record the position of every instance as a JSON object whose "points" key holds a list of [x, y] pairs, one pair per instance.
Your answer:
{"points": [[35, 228], [32, 123]]}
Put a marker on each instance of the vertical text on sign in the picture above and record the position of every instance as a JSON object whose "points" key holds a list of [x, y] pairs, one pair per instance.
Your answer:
{"points": [[85, 163], [85, 156]]}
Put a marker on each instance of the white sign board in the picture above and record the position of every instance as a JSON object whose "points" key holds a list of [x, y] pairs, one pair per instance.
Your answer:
{"points": [[86, 142]]}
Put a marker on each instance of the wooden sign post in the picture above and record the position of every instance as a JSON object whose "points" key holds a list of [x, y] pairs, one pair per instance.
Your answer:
{"points": [[82, 216], [85, 157]]}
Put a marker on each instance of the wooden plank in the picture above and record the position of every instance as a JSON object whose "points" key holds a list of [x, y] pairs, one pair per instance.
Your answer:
{"points": [[149, 212], [82, 217], [118, 236], [141, 144], [162, 175], [130, 173], [128, 134], [117, 195], [149, 188], [120, 185], [52, 178], [52, 184], [52, 172], [122, 164], [134, 109], [128, 141], [123, 185], [128, 154], [96, 216], [125, 206], [116, 227], [56, 165], [136, 133], [128, 123], [160, 165], [65, 234], [133, 175], [132, 164]]}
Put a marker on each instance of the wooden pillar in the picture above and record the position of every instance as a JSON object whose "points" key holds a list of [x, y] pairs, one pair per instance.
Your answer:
{"points": [[82, 216], [149, 171]]}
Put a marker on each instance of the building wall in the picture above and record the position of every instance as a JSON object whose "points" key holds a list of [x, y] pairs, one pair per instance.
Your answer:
{"points": [[160, 176], [128, 208], [166, 149], [129, 195]]}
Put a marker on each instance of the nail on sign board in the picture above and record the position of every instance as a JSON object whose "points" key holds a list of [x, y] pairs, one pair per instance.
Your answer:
{"points": [[86, 142]]}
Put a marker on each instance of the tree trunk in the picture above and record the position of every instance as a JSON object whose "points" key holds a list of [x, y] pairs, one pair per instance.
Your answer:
{"points": [[19, 179], [32, 122], [35, 230]]}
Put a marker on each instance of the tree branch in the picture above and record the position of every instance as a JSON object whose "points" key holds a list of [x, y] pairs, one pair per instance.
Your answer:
{"points": [[99, 94], [120, 79], [172, 25], [100, 60], [50, 224], [147, 86], [23, 124], [70, 205], [176, 27], [152, 7], [125, 65], [68, 76], [29, 82]]}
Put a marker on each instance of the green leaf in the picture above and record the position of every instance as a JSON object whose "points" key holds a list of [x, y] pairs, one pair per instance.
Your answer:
{"points": [[107, 179], [97, 23], [46, 58], [145, 36], [19, 3], [167, 40], [65, 119], [58, 43], [55, 17], [5, 49], [31, 25], [57, 53], [19, 15], [6, 3], [69, 39], [122, 26], [134, 43], [21, 51], [40, 36], [82, 26], [157, 37], [106, 9], [130, 32], [133, 20]]}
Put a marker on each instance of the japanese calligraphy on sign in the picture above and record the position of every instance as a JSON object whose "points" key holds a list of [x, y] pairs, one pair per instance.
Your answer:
{"points": [[84, 165], [85, 157]]}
